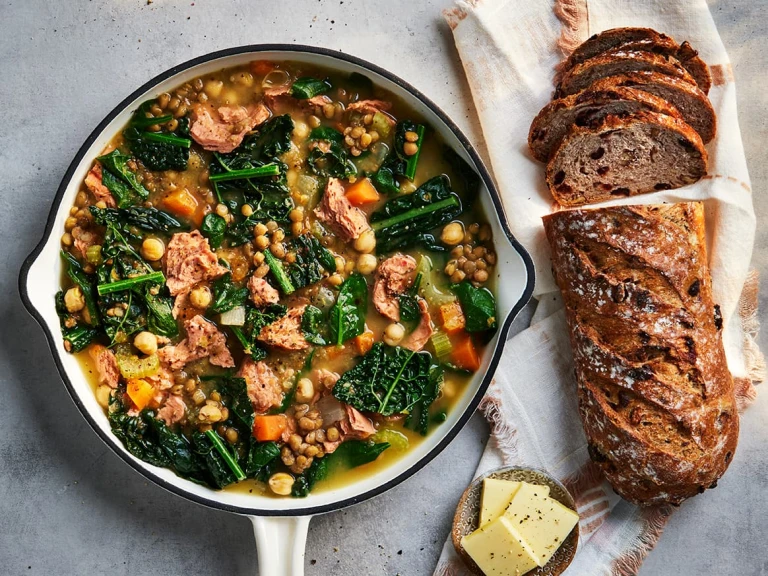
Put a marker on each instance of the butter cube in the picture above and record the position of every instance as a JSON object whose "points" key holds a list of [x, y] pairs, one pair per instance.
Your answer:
{"points": [[497, 494], [543, 522], [499, 550]]}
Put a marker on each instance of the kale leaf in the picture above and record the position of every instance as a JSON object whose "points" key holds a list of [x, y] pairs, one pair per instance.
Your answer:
{"points": [[87, 285], [214, 227], [347, 316], [388, 380], [313, 325], [77, 334], [478, 305], [311, 259], [398, 223], [147, 219], [327, 155], [227, 295], [116, 164], [409, 302], [164, 150]]}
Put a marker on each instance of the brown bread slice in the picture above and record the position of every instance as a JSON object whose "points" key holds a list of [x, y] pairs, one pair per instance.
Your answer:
{"points": [[647, 40], [688, 99], [587, 107], [640, 153], [655, 396], [618, 62]]}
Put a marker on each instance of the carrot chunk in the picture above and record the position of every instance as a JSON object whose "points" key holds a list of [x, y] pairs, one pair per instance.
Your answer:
{"points": [[271, 427], [364, 342], [182, 203], [465, 355], [262, 67], [452, 317], [362, 192], [140, 392]]}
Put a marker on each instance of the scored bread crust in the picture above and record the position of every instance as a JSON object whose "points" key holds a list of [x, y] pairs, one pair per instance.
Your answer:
{"points": [[655, 395], [610, 155], [644, 39], [615, 62], [587, 107], [689, 100]]}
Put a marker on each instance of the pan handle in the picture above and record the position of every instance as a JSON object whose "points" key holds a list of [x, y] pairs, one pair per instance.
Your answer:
{"points": [[281, 543]]}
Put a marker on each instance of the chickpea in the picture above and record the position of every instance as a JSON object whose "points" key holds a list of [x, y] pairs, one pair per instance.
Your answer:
{"points": [[458, 276], [259, 230], [300, 130], [103, 394], [209, 413], [200, 297], [297, 214], [453, 233], [281, 483], [198, 396], [410, 148], [261, 242], [305, 390], [340, 262], [246, 210], [481, 276], [272, 226], [306, 424], [152, 249], [291, 177], [261, 271], [146, 342], [297, 228], [74, 299], [394, 333], [66, 239], [332, 434], [366, 242], [336, 280], [367, 263], [258, 258], [278, 235], [314, 121], [407, 187], [278, 250], [222, 210]]}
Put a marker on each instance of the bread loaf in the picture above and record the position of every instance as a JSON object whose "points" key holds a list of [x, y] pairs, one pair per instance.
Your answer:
{"points": [[655, 395], [645, 40], [623, 156]]}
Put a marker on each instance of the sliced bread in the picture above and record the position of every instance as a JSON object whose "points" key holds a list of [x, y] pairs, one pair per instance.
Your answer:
{"points": [[618, 62], [588, 107], [689, 100], [646, 40], [640, 153]]}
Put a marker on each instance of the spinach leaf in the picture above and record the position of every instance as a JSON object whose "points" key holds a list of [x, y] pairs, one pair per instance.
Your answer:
{"points": [[213, 228], [260, 456], [77, 335], [348, 455], [478, 305], [386, 381], [400, 222], [176, 447], [117, 163], [163, 150], [327, 155], [121, 192], [86, 283], [148, 219], [347, 316], [227, 295], [312, 324], [160, 320], [311, 259], [305, 88], [255, 320], [412, 160]]}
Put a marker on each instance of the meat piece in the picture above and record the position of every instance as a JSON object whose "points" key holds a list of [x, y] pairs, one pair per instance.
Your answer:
{"points": [[325, 378], [223, 130], [330, 447], [335, 210], [280, 96], [93, 181], [84, 239], [203, 340], [106, 365], [423, 332], [357, 425], [286, 333], [264, 388], [189, 261], [262, 292], [161, 380], [290, 429], [173, 410], [182, 307], [393, 277]]}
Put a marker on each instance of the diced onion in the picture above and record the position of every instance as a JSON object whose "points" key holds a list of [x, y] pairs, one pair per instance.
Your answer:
{"points": [[234, 317], [331, 409], [276, 79]]}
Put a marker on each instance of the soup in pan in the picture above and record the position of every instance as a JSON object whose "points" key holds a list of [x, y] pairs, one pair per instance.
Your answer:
{"points": [[277, 278]]}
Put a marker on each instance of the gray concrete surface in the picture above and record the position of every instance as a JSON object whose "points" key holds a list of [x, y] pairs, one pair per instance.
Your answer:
{"points": [[68, 506]]}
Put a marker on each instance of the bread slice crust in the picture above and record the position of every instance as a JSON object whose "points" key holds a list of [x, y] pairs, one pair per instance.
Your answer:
{"points": [[643, 39], [617, 62], [643, 152], [655, 396], [689, 100], [586, 107]]}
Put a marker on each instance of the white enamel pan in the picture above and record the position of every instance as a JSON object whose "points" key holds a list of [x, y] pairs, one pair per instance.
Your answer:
{"points": [[280, 525]]}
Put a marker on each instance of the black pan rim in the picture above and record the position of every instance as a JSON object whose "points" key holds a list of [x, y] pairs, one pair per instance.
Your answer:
{"points": [[503, 330]]}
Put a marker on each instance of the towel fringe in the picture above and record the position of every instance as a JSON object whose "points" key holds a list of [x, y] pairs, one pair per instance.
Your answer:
{"points": [[502, 431], [750, 324], [654, 520], [575, 19]]}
